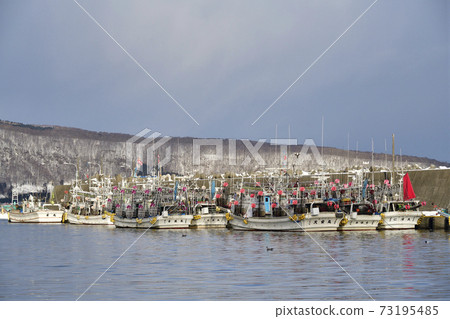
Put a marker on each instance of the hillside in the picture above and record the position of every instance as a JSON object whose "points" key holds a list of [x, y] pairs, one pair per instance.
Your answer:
{"points": [[35, 154]]}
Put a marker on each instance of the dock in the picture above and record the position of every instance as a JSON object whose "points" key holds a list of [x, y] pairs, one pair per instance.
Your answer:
{"points": [[434, 223]]}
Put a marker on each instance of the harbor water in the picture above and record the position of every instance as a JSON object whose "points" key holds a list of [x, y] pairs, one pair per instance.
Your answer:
{"points": [[59, 262]]}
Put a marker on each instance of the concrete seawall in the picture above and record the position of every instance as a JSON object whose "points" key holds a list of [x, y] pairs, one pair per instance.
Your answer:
{"points": [[432, 186], [434, 222]]}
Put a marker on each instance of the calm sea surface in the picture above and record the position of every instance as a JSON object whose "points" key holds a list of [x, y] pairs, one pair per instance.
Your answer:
{"points": [[59, 262]]}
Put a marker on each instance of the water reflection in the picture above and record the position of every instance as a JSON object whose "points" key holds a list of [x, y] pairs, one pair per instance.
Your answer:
{"points": [[59, 263]]}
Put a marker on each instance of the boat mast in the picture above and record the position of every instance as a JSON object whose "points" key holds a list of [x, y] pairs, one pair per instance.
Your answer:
{"points": [[373, 173], [77, 172], [289, 147], [323, 166], [348, 155], [401, 161], [393, 160], [276, 147], [385, 153], [322, 139]]}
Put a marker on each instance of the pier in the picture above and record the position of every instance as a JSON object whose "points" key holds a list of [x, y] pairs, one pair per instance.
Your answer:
{"points": [[434, 223]]}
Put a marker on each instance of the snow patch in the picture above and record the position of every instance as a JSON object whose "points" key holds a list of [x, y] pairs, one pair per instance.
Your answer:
{"points": [[28, 188]]}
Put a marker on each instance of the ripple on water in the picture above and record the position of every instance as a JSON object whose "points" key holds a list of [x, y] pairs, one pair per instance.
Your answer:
{"points": [[59, 263]]}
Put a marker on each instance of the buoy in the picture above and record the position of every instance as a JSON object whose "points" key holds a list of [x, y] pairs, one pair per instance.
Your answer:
{"points": [[343, 222]]}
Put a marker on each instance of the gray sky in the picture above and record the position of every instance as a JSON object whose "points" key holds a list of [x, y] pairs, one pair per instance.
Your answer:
{"points": [[226, 62]]}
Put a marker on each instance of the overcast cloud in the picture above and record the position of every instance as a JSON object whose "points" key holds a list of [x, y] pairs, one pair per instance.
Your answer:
{"points": [[226, 62]]}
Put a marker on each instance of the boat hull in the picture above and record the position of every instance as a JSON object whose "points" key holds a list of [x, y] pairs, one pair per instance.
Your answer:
{"points": [[159, 222], [90, 220], [360, 223], [45, 217], [321, 222], [121, 222], [209, 221], [173, 222], [400, 220]]}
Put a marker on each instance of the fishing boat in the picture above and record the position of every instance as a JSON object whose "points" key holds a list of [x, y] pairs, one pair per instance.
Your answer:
{"points": [[209, 216], [89, 211], [312, 217], [170, 217], [127, 215], [402, 213], [92, 207], [443, 212], [82, 215], [30, 213], [4, 213], [359, 216]]}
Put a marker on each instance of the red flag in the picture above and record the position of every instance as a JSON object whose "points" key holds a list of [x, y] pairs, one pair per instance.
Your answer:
{"points": [[408, 191]]}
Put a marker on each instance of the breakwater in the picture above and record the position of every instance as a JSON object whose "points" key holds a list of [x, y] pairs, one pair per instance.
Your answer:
{"points": [[432, 186]]}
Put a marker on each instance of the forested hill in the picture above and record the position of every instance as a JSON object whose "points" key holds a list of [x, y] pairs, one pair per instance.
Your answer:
{"points": [[35, 154]]}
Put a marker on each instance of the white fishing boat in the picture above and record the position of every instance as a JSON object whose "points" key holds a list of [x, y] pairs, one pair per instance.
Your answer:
{"points": [[123, 222], [3, 214], [48, 213], [400, 215], [78, 219], [359, 222], [83, 214], [322, 222], [316, 217], [171, 217], [209, 216], [359, 217]]}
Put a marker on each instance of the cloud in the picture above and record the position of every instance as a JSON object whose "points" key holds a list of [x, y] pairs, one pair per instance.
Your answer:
{"points": [[226, 62]]}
